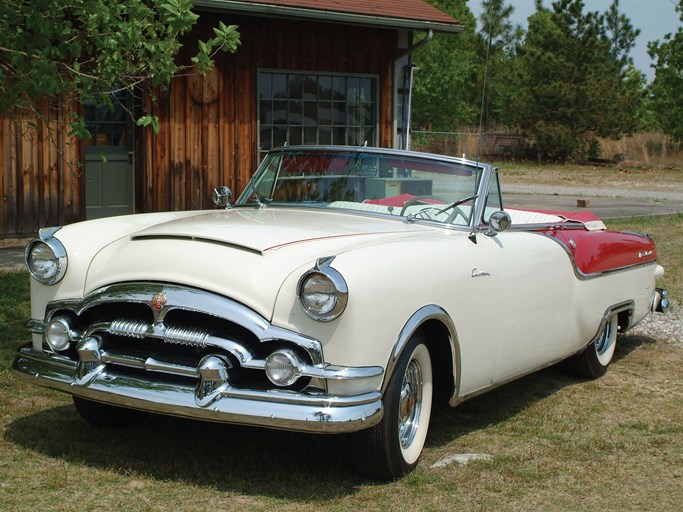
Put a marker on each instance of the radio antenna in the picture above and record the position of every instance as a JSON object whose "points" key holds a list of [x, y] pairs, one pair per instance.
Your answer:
{"points": [[484, 85]]}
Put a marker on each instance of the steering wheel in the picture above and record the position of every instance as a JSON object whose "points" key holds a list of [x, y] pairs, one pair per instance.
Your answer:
{"points": [[435, 201], [428, 201], [455, 212]]}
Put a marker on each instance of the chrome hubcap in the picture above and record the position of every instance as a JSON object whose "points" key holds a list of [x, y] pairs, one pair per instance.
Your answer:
{"points": [[410, 404], [603, 342]]}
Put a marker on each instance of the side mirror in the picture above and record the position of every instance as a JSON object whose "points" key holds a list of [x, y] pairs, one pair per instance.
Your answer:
{"points": [[221, 197], [498, 222]]}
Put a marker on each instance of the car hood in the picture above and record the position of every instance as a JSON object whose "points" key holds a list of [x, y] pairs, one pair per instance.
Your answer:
{"points": [[270, 229], [245, 254]]}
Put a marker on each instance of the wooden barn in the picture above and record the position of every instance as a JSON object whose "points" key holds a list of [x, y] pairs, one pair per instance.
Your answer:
{"points": [[306, 72]]}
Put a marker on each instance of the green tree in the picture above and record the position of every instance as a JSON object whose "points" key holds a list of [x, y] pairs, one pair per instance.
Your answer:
{"points": [[500, 37], [621, 34], [88, 49], [667, 88], [576, 82], [446, 93]]}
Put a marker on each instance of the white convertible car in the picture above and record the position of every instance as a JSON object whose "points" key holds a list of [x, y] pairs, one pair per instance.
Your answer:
{"points": [[347, 290]]}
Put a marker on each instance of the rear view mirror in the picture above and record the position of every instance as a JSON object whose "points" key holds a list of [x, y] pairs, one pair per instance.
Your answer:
{"points": [[498, 222], [222, 196]]}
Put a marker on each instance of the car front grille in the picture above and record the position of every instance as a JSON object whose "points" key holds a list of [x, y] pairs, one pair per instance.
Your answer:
{"points": [[164, 332]]}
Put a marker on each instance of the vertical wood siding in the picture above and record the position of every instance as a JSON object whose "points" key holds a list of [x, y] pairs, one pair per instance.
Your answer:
{"points": [[201, 145], [40, 174]]}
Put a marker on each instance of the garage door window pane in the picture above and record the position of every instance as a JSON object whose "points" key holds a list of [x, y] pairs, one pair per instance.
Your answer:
{"points": [[308, 108]]}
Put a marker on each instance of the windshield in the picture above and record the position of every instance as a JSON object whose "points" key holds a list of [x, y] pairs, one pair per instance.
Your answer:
{"points": [[394, 183]]}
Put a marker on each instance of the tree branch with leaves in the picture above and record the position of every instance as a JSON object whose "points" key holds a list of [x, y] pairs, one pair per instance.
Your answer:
{"points": [[86, 50]]}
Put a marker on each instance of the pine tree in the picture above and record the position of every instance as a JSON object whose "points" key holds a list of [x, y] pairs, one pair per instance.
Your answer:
{"points": [[499, 36], [667, 87], [575, 86]]}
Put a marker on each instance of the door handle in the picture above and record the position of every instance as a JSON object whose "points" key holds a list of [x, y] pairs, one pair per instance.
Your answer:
{"points": [[131, 154]]}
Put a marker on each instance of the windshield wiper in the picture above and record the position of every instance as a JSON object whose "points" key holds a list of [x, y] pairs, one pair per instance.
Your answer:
{"points": [[454, 204], [449, 206]]}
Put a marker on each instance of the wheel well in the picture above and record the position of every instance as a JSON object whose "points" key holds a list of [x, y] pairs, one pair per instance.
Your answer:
{"points": [[624, 319], [438, 343]]}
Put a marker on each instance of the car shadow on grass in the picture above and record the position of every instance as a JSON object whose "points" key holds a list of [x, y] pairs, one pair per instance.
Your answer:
{"points": [[248, 460], [505, 402], [257, 461]]}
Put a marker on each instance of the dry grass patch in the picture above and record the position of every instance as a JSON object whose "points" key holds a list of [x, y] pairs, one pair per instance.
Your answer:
{"points": [[644, 149], [618, 177]]}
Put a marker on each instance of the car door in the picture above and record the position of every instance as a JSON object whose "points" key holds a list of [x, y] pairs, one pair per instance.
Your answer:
{"points": [[535, 302]]}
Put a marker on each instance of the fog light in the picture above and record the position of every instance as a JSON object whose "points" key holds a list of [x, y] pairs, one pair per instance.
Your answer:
{"points": [[58, 334], [283, 367]]}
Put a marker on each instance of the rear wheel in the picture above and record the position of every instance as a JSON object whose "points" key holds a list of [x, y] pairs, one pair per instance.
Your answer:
{"points": [[392, 448], [594, 360], [107, 416]]}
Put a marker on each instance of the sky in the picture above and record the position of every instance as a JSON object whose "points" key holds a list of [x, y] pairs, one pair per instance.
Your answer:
{"points": [[654, 18]]}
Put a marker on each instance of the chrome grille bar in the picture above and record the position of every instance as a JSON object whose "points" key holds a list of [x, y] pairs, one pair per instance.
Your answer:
{"points": [[129, 328], [148, 363], [177, 335]]}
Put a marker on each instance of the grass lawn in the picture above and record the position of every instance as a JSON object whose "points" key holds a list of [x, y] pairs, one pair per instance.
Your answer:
{"points": [[556, 443]]}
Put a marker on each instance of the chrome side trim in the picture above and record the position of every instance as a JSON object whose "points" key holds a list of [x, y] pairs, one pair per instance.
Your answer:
{"points": [[424, 314], [457, 400], [320, 413]]}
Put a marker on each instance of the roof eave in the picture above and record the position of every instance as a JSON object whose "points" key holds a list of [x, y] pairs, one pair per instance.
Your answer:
{"points": [[327, 16]]}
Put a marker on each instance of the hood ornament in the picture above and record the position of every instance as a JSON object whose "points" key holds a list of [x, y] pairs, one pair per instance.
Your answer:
{"points": [[158, 302]]}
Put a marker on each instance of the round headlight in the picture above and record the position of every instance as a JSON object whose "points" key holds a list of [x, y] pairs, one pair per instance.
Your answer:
{"points": [[323, 292], [282, 367], [46, 260], [319, 295], [58, 334]]}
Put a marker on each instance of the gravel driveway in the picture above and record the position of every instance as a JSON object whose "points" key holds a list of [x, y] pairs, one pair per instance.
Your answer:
{"points": [[660, 195], [667, 328]]}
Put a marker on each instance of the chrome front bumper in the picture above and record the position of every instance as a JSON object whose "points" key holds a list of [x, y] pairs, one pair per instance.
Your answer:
{"points": [[281, 409]]}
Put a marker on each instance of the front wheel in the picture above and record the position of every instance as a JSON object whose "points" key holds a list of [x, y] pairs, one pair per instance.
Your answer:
{"points": [[594, 360], [392, 448]]}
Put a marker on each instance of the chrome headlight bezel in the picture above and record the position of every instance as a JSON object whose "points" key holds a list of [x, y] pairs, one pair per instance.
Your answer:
{"points": [[50, 266], [323, 282]]}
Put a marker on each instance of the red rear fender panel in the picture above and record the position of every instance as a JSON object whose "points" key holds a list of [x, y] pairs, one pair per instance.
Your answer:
{"points": [[603, 251]]}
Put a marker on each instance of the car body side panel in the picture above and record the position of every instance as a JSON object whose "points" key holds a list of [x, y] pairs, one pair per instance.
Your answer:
{"points": [[535, 303], [374, 317]]}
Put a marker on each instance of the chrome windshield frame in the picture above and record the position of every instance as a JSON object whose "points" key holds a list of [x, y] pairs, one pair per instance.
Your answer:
{"points": [[483, 170]]}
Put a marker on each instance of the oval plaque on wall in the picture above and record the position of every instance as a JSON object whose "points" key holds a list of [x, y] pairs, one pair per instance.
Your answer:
{"points": [[204, 89]]}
